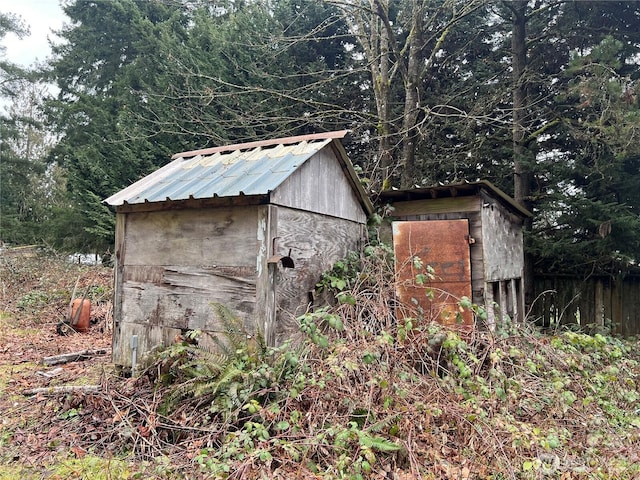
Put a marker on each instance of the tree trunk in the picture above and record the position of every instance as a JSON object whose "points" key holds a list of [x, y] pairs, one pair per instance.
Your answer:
{"points": [[382, 86], [519, 65], [376, 46], [411, 99], [521, 154]]}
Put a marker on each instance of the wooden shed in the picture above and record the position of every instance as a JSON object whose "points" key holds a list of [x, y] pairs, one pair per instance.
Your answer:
{"points": [[249, 226], [471, 235]]}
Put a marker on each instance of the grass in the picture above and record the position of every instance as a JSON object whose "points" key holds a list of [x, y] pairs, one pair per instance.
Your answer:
{"points": [[13, 472], [91, 467], [4, 321], [9, 374]]}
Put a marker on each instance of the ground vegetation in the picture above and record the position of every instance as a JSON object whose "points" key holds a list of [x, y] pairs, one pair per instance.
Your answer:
{"points": [[357, 395]]}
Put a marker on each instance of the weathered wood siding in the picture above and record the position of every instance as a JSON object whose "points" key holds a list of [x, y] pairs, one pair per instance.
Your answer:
{"points": [[320, 186], [172, 265], [436, 206], [316, 243], [502, 242], [503, 262], [596, 301]]}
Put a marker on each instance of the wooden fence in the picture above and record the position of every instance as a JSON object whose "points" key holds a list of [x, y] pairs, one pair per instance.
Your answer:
{"points": [[596, 301]]}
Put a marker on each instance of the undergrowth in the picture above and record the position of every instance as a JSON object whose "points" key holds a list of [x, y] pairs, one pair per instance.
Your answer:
{"points": [[36, 286], [368, 396]]}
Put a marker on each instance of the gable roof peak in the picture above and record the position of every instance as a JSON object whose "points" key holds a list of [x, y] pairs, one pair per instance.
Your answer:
{"points": [[263, 143]]}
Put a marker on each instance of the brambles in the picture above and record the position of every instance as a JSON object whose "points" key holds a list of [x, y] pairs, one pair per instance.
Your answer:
{"points": [[370, 394], [366, 396]]}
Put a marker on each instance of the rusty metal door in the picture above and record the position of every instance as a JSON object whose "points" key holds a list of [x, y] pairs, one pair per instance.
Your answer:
{"points": [[442, 245]]}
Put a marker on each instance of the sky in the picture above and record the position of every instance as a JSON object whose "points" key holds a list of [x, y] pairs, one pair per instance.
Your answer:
{"points": [[41, 16]]}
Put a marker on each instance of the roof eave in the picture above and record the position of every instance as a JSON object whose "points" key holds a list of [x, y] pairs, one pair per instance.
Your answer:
{"points": [[480, 184]]}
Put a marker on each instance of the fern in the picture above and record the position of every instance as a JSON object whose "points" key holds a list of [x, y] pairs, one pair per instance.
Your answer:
{"points": [[180, 391], [383, 424], [205, 363], [231, 372], [217, 375], [377, 443], [234, 337]]}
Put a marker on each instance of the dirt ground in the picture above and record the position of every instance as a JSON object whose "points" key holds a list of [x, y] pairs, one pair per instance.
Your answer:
{"points": [[35, 294]]}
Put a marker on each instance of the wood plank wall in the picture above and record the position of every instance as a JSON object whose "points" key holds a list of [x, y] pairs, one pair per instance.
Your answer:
{"points": [[321, 186], [597, 301], [502, 242], [316, 243], [172, 265]]}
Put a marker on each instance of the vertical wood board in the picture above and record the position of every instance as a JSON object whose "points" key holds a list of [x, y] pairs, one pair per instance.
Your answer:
{"points": [[630, 321], [321, 186], [264, 311], [119, 254]]}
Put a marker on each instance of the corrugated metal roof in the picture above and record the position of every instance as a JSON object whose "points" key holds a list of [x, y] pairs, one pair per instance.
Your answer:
{"points": [[255, 168]]}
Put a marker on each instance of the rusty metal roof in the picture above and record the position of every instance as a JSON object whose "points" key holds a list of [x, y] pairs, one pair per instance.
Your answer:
{"points": [[255, 168]]}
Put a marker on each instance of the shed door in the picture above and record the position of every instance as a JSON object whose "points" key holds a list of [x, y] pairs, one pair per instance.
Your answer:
{"points": [[443, 245]]}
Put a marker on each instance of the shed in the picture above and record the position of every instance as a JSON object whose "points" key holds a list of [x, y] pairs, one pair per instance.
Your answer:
{"points": [[471, 235], [249, 226]]}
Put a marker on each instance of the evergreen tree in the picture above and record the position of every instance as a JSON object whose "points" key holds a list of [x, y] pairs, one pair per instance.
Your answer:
{"points": [[31, 187], [17, 169], [105, 68], [590, 215]]}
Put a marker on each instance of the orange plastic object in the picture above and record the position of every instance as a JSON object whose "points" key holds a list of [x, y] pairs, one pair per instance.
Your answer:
{"points": [[81, 314]]}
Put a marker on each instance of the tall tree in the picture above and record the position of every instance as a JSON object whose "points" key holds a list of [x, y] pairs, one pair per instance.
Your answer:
{"points": [[590, 219], [31, 187], [9, 71], [103, 69], [584, 78], [405, 45], [16, 166]]}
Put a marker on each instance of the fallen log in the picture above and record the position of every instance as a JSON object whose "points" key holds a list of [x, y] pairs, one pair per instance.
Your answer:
{"points": [[62, 389], [73, 357]]}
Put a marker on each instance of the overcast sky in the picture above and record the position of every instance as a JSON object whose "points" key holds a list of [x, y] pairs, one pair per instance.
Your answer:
{"points": [[41, 16]]}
